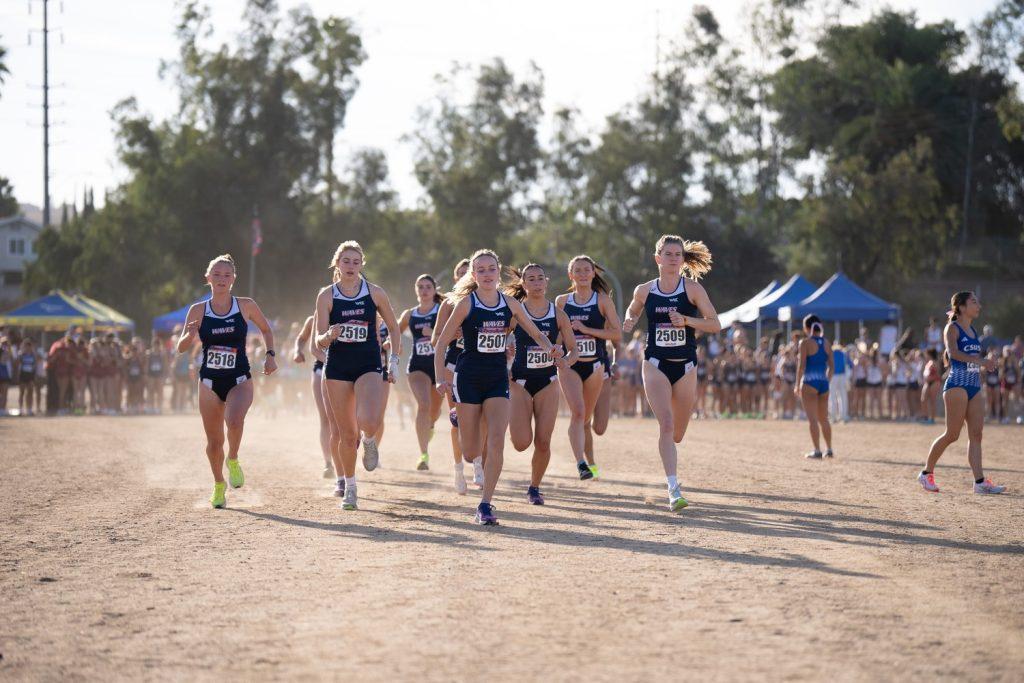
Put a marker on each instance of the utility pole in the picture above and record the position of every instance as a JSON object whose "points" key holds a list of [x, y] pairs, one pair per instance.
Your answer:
{"points": [[46, 116], [967, 173], [257, 246]]}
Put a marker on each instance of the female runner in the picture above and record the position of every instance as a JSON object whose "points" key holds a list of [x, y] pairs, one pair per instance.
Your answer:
{"points": [[480, 387], [594, 321], [302, 340], [346, 329], [225, 392], [420, 322], [814, 372], [673, 304], [536, 378], [451, 356], [961, 393]]}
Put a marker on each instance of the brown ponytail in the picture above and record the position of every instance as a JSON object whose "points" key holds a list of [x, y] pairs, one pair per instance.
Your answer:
{"points": [[696, 255], [430, 278], [598, 284], [955, 302], [517, 288]]}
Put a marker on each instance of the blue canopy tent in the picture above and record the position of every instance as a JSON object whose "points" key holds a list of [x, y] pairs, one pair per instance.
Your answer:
{"points": [[746, 312], [166, 323], [115, 321], [794, 290], [54, 312], [841, 299]]}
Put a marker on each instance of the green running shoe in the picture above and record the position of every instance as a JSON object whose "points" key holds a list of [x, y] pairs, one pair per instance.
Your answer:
{"points": [[235, 475], [217, 500], [424, 463], [593, 470], [676, 502]]}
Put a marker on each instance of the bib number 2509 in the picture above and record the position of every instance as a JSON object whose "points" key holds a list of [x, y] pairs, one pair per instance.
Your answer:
{"points": [[669, 335]]}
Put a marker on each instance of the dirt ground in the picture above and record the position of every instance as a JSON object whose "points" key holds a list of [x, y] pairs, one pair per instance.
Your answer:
{"points": [[113, 566]]}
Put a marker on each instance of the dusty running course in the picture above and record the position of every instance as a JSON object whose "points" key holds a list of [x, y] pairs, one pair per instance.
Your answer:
{"points": [[113, 566]]}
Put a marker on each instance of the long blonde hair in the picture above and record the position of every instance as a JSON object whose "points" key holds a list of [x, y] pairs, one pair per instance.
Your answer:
{"points": [[466, 284], [696, 255], [347, 245]]}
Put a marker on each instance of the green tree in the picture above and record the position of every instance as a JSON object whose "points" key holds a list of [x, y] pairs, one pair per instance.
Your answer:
{"points": [[249, 132], [4, 71], [872, 89], [8, 203], [478, 161], [880, 227]]}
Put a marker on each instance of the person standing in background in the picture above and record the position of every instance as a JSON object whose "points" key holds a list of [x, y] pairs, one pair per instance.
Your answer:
{"points": [[838, 404]]}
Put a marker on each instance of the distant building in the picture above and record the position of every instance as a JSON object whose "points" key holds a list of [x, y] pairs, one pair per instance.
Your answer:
{"points": [[18, 237]]}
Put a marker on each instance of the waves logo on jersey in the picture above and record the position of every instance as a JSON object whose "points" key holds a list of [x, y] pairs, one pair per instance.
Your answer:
{"points": [[492, 325], [223, 330], [664, 309], [352, 312]]}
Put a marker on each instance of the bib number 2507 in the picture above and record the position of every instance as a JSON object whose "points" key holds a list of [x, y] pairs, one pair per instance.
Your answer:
{"points": [[490, 342]]}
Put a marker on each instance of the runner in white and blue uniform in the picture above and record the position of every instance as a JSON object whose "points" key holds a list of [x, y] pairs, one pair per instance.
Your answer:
{"points": [[674, 305], [961, 393], [346, 327], [225, 392], [480, 386], [814, 372], [451, 356], [595, 322], [420, 322], [535, 377]]}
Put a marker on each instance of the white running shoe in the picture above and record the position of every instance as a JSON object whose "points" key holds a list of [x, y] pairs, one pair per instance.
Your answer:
{"points": [[371, 456], [460, 482], [349, 501], [928, 482], [676, 502], [988, 487], [328, 472], [478, 473]]}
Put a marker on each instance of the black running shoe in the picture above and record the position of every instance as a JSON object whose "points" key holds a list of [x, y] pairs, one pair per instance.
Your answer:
{"points": [[584, 470]]}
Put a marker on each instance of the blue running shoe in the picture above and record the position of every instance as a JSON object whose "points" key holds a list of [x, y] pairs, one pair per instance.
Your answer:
{"points": [[485, 515], [534, 496]]}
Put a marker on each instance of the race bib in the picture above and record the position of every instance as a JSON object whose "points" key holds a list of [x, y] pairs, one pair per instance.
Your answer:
{"points": [[221, 358], [973, 367], [423, 348], [537, 358], [354, 331], [490, 342], [460, 343], [668, 335], [156, 367], [587, 347], [134, 371]]}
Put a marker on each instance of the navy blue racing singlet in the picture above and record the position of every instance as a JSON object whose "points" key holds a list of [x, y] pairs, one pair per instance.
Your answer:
{"points": [[664, 340], [223, 339], [590, 315]]}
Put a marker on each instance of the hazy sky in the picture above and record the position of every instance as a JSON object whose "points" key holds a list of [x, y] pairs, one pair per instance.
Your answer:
{"points": [[595, 55]]}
